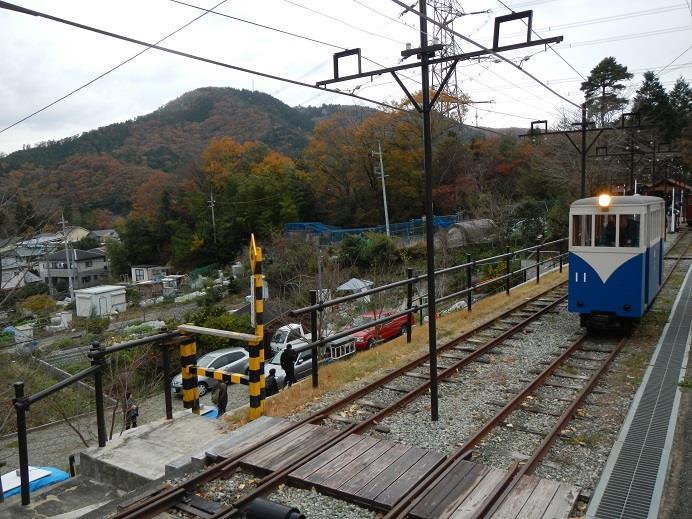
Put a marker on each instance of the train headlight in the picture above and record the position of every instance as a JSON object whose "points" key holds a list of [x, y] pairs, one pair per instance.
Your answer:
{"points": [[604, 201]]}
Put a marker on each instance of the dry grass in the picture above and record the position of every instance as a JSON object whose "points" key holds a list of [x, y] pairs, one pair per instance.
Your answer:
{"points": [[369, 365]]}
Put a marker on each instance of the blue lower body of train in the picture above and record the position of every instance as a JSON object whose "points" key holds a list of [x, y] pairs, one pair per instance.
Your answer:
{"points": [[626, 292]]}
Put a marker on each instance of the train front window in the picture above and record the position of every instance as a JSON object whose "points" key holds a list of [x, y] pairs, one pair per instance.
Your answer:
{"points": [[605, 230], [628, 230], [581, 230]]}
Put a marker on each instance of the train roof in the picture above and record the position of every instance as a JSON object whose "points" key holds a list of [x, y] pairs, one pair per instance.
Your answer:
{"points": [[619, 201]]}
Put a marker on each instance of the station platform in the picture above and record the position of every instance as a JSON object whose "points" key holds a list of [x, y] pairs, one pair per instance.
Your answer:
{"points": [[633, 482]]}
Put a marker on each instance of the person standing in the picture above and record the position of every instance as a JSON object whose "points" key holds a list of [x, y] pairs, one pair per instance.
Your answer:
{"points": [[271, 386], [131, 411], [288, 364], [220, 397]]}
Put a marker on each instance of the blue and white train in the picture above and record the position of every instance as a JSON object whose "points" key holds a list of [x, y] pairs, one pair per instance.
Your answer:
{"points": [[616, 258]]}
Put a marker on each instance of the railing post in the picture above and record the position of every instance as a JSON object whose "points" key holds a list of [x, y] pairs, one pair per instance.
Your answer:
{"points": [[71, 460], [188, 357], [538, 263], [20, 406], [166, 364], [469, 274], [97, 359], [313, 338], [507, 270], [256, 387], [560, 255], [409, 304]]}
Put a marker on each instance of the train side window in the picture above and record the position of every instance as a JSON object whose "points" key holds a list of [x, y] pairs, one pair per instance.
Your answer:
{"points": [[605, 230], [628, 231], [581, 230]]}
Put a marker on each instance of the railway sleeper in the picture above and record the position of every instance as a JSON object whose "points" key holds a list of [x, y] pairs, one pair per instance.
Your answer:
{"points": [[397, 389], [534, 410], [370, 403], [521, 428]]}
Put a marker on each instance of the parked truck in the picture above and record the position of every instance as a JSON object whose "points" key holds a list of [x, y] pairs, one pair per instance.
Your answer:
{"points": [[296, 336]]}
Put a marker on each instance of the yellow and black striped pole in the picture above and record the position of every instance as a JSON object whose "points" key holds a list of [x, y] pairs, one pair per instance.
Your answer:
{"points": [[256, 348], [188, 359]]}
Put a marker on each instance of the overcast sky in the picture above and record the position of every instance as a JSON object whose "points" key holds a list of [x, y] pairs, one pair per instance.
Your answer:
{"points": [[44, 60]]}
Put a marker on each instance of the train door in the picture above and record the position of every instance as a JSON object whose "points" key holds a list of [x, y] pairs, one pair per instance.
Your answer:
{"points": [[646, 239]]}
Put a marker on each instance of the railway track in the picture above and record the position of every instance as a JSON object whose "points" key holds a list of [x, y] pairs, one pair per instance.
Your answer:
{"points": [[392, 393]]}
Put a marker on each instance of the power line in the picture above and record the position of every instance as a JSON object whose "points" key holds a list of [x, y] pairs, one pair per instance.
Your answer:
{"points": [[106, 72], [12, 7], [550, 46], [490, 51], [678, 56], [624, 37], [343, 22]]}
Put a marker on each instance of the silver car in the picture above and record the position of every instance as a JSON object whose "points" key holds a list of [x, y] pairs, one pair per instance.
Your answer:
{"points": [[303, 366], [233, 360]]}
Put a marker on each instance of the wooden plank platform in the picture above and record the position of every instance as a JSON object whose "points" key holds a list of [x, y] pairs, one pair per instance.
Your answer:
{"points": [[463, 491], [377, 473]]}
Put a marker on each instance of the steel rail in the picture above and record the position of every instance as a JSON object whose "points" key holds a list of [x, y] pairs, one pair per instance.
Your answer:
{"points": [[273, 480], [150, 506], [493, 502], [416, 494]]}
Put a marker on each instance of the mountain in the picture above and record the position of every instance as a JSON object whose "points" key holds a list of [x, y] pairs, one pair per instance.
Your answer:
{"points": [[100, 168]]}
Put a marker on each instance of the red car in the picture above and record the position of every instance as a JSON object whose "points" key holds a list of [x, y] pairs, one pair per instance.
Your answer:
{"points": [[366, 339]]}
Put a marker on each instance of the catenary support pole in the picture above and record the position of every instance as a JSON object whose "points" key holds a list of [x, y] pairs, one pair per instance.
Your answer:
{"points": [[313, 338], [98, 359], [429, 215], [409, 304]]}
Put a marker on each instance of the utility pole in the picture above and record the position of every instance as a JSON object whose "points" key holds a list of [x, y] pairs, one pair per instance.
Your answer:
{"points": [[426, 53], [384, 189], [62, 222], [210, 203]]}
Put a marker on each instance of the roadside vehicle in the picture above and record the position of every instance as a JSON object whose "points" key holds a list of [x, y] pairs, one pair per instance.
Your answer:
{"points": [[303, 366], [232, 360], [615, 258], [292, 334], [366, 339]]}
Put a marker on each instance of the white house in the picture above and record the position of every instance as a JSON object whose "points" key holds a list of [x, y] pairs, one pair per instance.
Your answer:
{"points": [[148, 273], [101, 300]]}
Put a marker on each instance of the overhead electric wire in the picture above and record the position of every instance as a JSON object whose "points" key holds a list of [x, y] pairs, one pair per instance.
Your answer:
{"points": [[344, 23], [106, 72], [282, 31], [678, 56], [19, 9], [490, 51], [632, 36], [549, 46]]}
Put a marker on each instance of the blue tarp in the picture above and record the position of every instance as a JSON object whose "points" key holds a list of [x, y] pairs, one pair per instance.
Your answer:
{"points": [[55, 476]]}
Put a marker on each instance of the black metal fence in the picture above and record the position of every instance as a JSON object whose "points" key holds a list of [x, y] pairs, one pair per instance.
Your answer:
{"points": [[98, 354]]}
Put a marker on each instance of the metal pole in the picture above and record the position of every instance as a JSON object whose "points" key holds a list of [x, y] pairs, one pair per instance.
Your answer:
{"points": [[469, 273], [538, 264], [409, 303], [166, 361], [583, 150], [560, 255], [313, 337], [71, 460], [19, 402], [507, 270], [384, 189], [97, 359], [429, 238]]}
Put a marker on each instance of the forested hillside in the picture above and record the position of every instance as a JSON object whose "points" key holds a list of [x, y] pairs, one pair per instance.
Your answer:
{"points": [[102, 168]]}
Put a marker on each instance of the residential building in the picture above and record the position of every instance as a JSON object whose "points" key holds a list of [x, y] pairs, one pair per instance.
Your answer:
{"points": [[86, 268], [103, 234]]}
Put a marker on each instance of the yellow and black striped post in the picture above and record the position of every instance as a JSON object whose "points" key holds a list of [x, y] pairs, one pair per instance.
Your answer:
{"points": [[188, 359], [256, 348]]}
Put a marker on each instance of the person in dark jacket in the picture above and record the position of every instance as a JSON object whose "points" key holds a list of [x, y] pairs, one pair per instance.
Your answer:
{"points": [[288, 364], [131, 411], [220, 397], [271, 386]]}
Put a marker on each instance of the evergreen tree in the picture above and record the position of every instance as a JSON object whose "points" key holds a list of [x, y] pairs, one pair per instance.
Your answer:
{"points": [[603, 86], [653, 104], [681, 103]]}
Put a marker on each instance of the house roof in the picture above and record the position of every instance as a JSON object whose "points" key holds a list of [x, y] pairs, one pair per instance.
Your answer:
{"points": [[76, 255], [101, 289], [19, 280], [355, 285], [104, 232]]}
